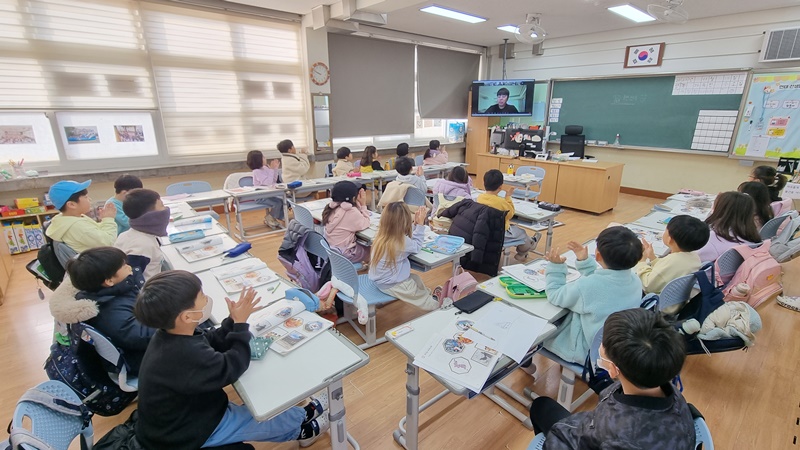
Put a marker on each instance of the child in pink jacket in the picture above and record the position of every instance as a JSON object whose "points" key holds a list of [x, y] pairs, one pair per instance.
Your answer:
{"points": [[344, 216]]}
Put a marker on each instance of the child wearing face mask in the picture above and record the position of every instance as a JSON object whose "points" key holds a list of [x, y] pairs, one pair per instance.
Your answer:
{"points": [[101, 291], [644, 353], [182, 402], [148, 218]]}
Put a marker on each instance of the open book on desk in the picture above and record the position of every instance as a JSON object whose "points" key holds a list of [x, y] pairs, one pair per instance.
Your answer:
{"points": [[202, 249], [288, 323], [532, 275], [249, 272], [189, 224]]}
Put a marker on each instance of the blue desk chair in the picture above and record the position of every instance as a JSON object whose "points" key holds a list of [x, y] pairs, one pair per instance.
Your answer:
{"points": [[357, 165], [50, 415], [770, 229], [419, 160], [347, 279], [329, 170], [192, 187], [414, 197], [727, 264], [528, 194], [303, 215], [677, 292], [702, 437], [111, 353]]}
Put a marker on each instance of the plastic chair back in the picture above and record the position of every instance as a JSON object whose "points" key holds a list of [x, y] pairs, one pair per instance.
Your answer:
{"points": [[188, 187], [357, 164], [770, 229], [63, 252], [344, 270], [246, 181], [727, 265], [317, 245], [419, 160], [414, 197], [50, 424], [594, 350], [329, 170], [537, 172], [303, 215], [108, 351], [702, 435], [677, 291], [537, 443]]}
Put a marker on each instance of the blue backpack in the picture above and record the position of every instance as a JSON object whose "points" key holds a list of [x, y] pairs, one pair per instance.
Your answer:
{"points": [[80, 367]]}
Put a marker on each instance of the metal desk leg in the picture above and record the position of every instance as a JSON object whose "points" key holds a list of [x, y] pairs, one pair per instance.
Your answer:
{"points": [[339, 435], [239, 222], [549, 240], [410, 438], [227, 211], [294, 197], [285, 211]]}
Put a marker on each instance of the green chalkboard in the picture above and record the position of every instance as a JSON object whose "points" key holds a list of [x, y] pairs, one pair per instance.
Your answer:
{"points": [[641, 109]]}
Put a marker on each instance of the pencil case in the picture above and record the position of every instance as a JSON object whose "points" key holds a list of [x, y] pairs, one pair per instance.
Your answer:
{"points": [[522, 292], [184, 236], [294, 184], [506, 281], [473, 302], [259, 346], [446, 244]]}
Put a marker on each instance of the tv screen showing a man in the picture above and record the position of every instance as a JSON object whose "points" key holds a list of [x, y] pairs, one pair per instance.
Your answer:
{"points": [[502, 106]]}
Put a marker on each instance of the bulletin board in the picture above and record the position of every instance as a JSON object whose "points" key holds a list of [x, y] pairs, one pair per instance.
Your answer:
{"points": [[769, 126]]}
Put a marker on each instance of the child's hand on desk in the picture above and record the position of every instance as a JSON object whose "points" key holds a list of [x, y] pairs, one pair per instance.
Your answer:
{"points": [[648, 253], [247, 304], [554, 256], [581, 251]]}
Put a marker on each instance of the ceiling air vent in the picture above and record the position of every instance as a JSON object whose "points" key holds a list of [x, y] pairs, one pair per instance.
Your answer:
{"points": [[781, 45]]}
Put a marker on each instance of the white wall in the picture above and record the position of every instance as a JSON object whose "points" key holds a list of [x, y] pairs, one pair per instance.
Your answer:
{"points": [[727, 42]]}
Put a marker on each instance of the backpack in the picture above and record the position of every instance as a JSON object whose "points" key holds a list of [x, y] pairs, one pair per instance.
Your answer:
{"points": [[80, 367], [303, 268], [459, 286], [51, 267], [784, 246], [441, 225], [760, 271]]}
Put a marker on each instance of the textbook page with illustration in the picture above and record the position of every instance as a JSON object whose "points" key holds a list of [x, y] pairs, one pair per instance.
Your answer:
{"points": [[288, 323], [202, 249], [450, 355], [251, 272], [532, 275]]}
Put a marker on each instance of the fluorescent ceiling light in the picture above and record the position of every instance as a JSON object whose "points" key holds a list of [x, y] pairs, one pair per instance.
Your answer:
{"points": [[631, 13], [510, 28], [449, 13]]}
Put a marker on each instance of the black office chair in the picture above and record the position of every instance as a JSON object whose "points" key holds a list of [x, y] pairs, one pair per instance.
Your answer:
{"points": [[573, 142]]}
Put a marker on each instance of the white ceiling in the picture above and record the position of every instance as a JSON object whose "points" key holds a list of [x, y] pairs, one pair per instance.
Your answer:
{"points": [[559, 17]]}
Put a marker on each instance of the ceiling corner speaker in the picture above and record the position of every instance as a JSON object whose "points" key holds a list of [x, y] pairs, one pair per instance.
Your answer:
{"points": [[509, 49], [341, 27], [537, 49], [368, 18]]}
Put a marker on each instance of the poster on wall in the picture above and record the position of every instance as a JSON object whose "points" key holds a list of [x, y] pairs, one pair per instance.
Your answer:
{"points": [[26, 136], [97, 135], [770, 124]]}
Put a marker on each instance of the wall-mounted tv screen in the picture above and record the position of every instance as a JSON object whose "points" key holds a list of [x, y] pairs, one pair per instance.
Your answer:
{"points": [[502, 98]]}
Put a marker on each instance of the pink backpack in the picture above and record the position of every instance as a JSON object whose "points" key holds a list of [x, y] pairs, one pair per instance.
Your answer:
{"points": [[760, 271], [460, 285]]}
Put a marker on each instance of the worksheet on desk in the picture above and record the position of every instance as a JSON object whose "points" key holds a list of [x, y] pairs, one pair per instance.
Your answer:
{"points": [[699, 208], [533, 274], [652, 236], [507, 329]]}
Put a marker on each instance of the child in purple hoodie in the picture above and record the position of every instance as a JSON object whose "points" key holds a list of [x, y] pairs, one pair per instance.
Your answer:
{"points": [[344, 216], [457, 184]]}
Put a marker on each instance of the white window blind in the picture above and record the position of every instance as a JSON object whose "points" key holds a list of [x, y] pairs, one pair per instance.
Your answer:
{"points": [[73, 54], [225, 83]]}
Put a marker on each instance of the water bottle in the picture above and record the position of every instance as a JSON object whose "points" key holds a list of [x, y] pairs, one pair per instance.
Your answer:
{"points": [[616, 141]]}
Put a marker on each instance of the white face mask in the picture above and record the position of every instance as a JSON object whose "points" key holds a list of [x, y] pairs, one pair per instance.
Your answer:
{"points": [[206, 310]]}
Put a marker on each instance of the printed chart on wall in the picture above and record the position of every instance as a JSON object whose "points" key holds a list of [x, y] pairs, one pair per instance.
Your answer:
{"points": [[770, 123]]}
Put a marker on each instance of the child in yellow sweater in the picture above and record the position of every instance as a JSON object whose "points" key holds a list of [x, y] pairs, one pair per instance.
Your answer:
{"points": [[493, 183]]}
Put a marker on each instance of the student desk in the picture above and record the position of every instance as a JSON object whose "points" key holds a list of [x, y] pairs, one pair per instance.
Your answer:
{"points": [[407, 434], [216, 228], [251, 194], [315, 185], [277, 382], [531, 213], [178, 262], [522, 181], [422, 261], [204, 199]]}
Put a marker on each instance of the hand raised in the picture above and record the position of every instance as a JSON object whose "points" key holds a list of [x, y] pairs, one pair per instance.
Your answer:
{"points": [[554, 256], [419, 216], [247, 304], [581, 252], [109, 211], [648, 252]]}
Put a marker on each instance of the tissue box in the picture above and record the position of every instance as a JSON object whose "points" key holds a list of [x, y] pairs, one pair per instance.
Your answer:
{"points": [[29, 202], [35, 210], [11, 241]]}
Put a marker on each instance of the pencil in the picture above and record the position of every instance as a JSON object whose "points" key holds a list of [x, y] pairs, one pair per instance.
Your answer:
{"points": [[480, 332]]}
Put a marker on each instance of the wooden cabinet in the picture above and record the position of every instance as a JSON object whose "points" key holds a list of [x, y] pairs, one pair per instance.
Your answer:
{"points": [[484, 163], [6, 265], [592, 187]]}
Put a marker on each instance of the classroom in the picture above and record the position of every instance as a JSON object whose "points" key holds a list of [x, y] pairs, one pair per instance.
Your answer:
{"points": [[670, 114]]}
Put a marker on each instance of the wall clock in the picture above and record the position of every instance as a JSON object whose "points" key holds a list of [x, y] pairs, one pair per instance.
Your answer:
{"points": [[320, 74]]}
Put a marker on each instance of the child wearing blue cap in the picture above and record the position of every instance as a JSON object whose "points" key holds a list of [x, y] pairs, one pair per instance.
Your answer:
{"points": [[72, 226]]}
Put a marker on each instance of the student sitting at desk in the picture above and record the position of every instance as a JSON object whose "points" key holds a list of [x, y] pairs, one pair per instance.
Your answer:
{"points": [[396, 190], [398, 238], [731, 224], [433, 155], [149, 219], [344, 165], [642, 409], [343, 217], [402, 153], [104, 295], [72, 226], [773, 180], [457, 184], [597, 293], [182, 404], [369, 161], [122, 185], [684, 236], [493, 182], [266, 173], [760, 195], [295, 165]]}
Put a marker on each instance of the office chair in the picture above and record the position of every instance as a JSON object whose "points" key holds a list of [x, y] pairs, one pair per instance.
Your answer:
{"points": [[573, 141]]}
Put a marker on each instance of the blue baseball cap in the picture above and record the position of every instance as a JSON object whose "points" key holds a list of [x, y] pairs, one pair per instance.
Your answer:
{"points": [[63, 190]]}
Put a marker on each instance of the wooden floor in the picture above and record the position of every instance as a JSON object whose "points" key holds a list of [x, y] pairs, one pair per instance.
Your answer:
{"points": [[750, 399]]}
